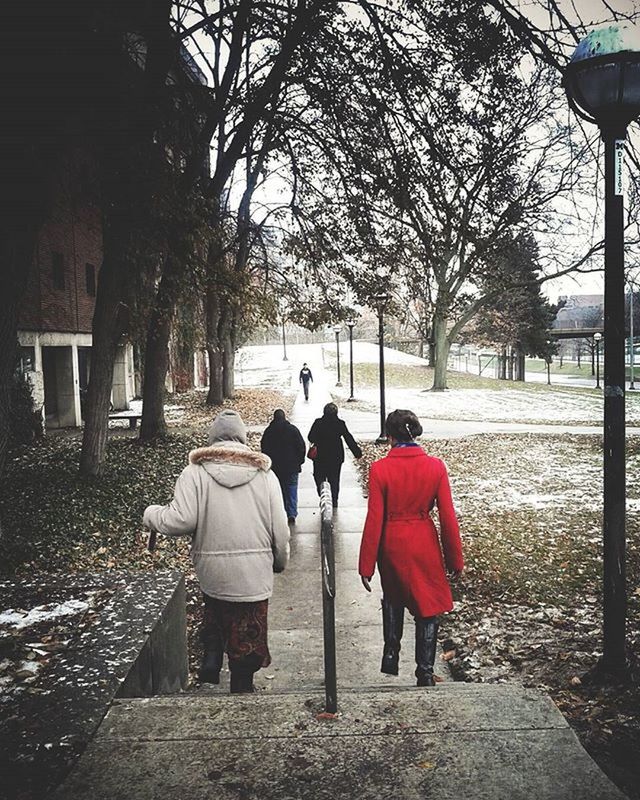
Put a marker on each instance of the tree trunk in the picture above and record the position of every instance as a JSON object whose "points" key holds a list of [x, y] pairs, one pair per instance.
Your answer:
{"points": [[153, 425], [441, 347], [110, 321], [229, 363], [215, 396], [16, 256]]}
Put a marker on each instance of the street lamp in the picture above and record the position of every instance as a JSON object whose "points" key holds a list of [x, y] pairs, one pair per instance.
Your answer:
{"points": [[381, 301], [336, 330], [632, 384], [350, 324], [284, 335], [548, 360], [596, 338], [602, 82]]}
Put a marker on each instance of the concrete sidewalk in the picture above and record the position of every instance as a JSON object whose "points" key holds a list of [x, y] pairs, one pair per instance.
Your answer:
{"points": [[389, 739], [449, 742]]}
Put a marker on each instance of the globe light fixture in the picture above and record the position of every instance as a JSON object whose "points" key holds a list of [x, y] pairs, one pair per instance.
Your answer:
{"points": [[602, 82]]}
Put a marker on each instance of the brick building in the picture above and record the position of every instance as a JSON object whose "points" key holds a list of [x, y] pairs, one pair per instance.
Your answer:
{"points": [[55, 321], [54, 329]]}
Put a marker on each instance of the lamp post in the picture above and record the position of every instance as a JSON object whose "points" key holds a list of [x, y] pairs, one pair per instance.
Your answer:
{"points": [[381, 300], [350, 324], [284, 335], [548, 360], [631, 348], [336, 330], [596, 338], [602, 82]]}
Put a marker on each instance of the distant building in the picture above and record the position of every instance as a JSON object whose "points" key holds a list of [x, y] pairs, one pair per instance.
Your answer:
{"points": [[580, 311]]}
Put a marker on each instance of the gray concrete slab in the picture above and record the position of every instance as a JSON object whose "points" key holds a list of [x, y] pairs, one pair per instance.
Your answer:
{"points": [[432, 743]]}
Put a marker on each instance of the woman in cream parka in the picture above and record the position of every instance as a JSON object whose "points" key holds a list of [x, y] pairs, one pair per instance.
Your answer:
{"points": [[229, 501]]}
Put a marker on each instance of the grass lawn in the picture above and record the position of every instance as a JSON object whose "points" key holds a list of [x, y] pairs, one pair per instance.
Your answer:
{"points": [[567, 368]]}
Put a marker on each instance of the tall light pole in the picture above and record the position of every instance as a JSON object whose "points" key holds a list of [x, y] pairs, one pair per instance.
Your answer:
{"points": [[597, 338], [381, 301], [336, 330], [351, 324], [602, 82], [548, 360], [284, 335], [631, 348]]}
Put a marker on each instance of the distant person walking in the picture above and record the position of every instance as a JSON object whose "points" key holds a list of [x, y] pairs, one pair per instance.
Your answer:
{"points": [[284, 445], [229, 501], [327, 433], [305, 379], [401, 537]]}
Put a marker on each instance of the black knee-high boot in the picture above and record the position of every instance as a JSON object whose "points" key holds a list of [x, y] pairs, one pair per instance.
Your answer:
{"points": [[392, 627], [426, 639], [213, 645], [212, 659], [242, 670]]}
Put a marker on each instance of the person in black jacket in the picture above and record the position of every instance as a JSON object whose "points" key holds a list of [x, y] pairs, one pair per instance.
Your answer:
{"points": [[284, 445], [327, 433], [305, 377]]}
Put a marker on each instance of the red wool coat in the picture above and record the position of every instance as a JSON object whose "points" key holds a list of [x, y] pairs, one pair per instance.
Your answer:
{"points": [[401, 537]]}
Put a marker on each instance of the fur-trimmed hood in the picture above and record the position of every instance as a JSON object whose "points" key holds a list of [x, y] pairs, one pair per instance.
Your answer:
{"points": [[230, 464]]}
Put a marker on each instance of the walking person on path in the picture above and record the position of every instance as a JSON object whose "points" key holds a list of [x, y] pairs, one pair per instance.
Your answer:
{"points": [[284, 445], [305, 378], [229, 501], [327, 433], [401, 537]]}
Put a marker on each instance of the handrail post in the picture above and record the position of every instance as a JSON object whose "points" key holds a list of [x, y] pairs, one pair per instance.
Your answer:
{"points": [[328, 599]]}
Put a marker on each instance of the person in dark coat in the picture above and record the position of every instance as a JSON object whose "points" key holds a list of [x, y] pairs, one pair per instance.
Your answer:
{"points": [[327, 433], [305, 378], [284, 445], [400, 536]]}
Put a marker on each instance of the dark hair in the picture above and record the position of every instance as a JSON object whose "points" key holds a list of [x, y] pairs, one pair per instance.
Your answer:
{"points": [[403, 425], [279, 414], [330, 410]]}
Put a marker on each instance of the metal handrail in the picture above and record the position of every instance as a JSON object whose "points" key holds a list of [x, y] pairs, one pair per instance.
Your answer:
{"points": [[327, 555]]}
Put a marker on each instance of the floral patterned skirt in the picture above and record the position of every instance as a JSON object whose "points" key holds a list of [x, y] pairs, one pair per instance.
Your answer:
{"points": [[241, 626]]}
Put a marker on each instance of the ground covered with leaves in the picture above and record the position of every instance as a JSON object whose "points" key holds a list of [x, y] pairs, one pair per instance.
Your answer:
{"points": [[528, 606]]}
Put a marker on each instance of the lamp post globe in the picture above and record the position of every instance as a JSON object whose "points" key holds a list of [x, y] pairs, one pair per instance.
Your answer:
{"points": [[336, 330], [602, 82], [602, 79]]}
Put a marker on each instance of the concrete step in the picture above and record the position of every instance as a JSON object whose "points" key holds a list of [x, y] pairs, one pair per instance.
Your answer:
{"points": [[489, 742]]}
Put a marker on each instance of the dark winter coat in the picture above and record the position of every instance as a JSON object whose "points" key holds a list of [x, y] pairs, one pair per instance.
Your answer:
{"points": [[284, 445], [305, 375], [327, 434], [401, 537]]}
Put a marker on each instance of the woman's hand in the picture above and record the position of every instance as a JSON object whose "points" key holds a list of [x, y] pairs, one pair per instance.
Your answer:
{"points": [[365, 582]]}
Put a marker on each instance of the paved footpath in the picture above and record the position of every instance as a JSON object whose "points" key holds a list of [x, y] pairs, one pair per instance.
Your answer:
{"points": [[390, 739]]}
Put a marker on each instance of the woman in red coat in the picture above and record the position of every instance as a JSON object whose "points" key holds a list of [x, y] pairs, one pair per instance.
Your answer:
{"points": [[400, 536]]}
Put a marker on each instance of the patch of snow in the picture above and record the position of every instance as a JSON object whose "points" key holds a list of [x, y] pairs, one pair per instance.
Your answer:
{"points": [[24, 619]]}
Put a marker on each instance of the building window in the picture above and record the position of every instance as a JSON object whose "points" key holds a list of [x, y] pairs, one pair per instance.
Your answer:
{"points": [[90, 275], [57, 260]]}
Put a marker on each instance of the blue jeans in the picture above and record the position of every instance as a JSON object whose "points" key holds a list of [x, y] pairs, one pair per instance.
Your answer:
{"points": [[289, 486]]}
